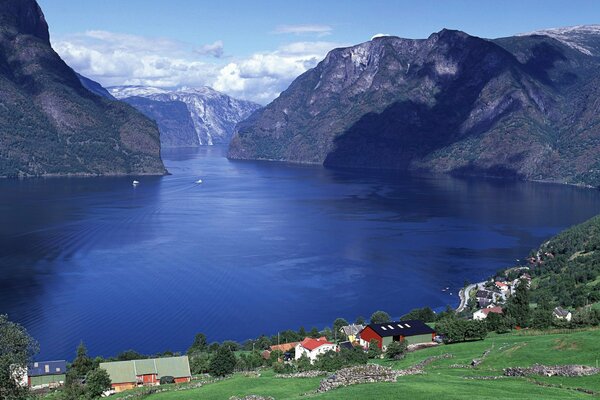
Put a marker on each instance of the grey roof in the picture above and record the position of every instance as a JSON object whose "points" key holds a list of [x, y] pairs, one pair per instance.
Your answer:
{"points": [[40, 368], [346, 345], [561, 312], [352, 329], [401, 328], [126, 371], [484, 294], [484, 302]]}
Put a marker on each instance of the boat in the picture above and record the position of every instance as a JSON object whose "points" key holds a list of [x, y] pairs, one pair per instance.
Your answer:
{"points": [[135, 183], [199, 181]]}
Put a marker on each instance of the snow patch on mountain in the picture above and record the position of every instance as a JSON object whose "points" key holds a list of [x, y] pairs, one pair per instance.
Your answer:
{"points": [[573, 36]]}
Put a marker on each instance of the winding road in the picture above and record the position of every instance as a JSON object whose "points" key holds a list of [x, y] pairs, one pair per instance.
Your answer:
{"points": [[464, 296]]}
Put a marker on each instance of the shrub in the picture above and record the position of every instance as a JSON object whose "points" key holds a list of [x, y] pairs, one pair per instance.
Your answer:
{"points": [[222, 362], [396, 350], [167, 380]]}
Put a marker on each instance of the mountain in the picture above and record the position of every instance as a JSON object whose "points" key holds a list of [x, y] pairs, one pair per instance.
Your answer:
{"points": [[94, 87], [51, 124], [524, 106], [173, 118], [213, 115]]}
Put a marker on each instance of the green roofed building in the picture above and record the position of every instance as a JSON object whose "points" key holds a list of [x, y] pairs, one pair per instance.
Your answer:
{"points": [[126, 375]]}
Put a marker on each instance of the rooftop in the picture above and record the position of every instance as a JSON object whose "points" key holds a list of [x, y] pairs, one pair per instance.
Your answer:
{"points": [[402, 328], [311, 344]]}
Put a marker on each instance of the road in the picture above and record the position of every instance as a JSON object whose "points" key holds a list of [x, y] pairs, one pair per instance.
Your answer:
{"points": [[464, 296]]}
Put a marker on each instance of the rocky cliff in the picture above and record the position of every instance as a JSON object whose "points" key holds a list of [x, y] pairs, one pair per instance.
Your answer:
{"points": [[213, 115], [523, 106], [49, 123]]}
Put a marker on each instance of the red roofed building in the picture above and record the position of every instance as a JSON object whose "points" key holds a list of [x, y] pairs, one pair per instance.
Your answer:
{"points": [[483, 313], [312, 348], [502, 286]]}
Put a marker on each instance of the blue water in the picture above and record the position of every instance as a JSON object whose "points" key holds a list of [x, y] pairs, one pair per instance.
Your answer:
{"points": [[258, 247]]}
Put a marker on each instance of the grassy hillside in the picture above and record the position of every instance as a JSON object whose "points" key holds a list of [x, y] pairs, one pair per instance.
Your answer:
{"points": [[567, 267], [440, 379]]}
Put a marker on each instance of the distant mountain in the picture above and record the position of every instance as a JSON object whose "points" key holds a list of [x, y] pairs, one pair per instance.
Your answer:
{"points": [[94, 87], [213, 115], [51, 124], [524, 106]]}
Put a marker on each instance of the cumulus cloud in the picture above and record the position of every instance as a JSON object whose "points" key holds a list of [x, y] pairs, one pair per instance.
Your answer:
{"points": [[263, 76], [308, 29], [215, 49], [124, 59]]}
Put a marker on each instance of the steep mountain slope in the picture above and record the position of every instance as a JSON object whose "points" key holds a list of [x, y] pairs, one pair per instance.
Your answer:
{"points": [[173, 118], [213, 114], [450, 103], [52, 125], [94, 87]]}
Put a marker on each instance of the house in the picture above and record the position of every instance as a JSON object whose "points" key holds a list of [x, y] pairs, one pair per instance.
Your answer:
{"points": [[285, 348], [351, 331], [413, 331], [483, 303], [483, 313], [502, 286], [126, 375], [484, 294], [346, 345], [561, 313], [313, 348], [46, 374]]}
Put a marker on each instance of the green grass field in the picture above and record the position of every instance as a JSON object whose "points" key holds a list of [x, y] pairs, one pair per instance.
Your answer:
{"points": [[442, 381]]}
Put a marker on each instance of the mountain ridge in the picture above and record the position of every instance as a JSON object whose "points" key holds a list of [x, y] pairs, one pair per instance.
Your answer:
{"points": [[213, 114], [451, 103], [51, 124]]}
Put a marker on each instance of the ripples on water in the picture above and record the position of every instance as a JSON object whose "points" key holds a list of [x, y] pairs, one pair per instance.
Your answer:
{"points": [[256, 248]]}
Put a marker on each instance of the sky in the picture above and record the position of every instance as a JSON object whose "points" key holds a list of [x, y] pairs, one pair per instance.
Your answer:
{"points": [[255, 49]]}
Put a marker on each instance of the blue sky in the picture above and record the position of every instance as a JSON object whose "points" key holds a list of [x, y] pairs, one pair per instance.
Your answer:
{"points": [[253, 49]]}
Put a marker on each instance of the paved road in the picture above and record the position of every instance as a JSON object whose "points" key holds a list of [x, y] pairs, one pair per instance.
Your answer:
{"points": [[464, 296]]}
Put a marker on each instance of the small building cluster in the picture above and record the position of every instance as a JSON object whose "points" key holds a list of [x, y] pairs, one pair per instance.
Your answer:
{"points": [[413, 332], [126, 375]]}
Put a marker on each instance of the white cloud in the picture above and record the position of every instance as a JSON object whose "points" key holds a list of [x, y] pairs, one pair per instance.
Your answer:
{"points": [[308, 29], [215, 49], [124, 59]]}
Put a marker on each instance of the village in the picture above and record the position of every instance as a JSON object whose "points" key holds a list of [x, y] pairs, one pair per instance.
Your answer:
{"points": [[477, 302]]}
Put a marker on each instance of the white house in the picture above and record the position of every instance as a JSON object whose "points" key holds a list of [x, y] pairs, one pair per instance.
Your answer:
{"points": [[483, 313], [561, 313], [312, 348]]}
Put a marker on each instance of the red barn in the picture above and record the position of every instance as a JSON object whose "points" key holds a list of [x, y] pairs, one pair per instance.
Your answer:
{"points": [[412, 332]]}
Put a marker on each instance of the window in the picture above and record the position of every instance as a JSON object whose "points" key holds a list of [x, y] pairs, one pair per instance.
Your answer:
{"points": [[46, 368]]}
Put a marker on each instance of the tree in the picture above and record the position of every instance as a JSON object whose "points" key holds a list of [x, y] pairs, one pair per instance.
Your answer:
{"points": [[518, 304], [222, 362], [199, 363], [213, 347], [396, 350], [374, 350], [17, 348], [497, 322], [337, 327], [424, 314], [379, 317], [130, 355], [199, 344], [360, 320], [314, 333], [303, 363], [97, 381], [82, 364], [233, 346]]}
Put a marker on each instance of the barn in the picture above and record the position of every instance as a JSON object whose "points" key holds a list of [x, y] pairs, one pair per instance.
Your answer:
{"points": [[46, 373], [126, 375], [413, 332]]}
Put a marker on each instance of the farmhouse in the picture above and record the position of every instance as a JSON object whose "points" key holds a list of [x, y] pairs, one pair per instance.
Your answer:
{"points": [[351, 331], [312, 348], [413, 331], [502, 286], [46, 374], [126, 375], [482, 314], [561, 313]]}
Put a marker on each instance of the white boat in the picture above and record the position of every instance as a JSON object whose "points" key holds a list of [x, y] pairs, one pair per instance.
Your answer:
{"points": [[199, 181], [135, 183]]}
